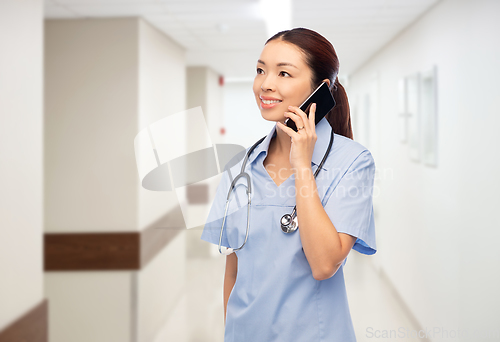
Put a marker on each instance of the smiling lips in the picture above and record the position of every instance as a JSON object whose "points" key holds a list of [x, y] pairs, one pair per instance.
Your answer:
{"points": [[268, 102]]}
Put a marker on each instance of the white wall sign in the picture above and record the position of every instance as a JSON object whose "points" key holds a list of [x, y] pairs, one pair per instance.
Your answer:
{"points": [[417, 115], [413, 110], [428, 106]]}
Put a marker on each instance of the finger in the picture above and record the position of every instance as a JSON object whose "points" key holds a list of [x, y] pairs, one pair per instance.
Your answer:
{"points": [[287, 130], [302, 115], [312, 118], [296, 118]]}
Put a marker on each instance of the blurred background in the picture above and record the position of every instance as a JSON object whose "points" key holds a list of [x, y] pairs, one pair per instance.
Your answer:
{"points": [[88, 254]]}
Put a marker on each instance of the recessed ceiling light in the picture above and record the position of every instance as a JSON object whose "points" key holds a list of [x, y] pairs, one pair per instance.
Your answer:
{"points": [[277, 14]]}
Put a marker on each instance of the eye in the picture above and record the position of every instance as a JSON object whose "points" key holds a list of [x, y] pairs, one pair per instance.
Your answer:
{"points": [[259, 71], [284, 72]]}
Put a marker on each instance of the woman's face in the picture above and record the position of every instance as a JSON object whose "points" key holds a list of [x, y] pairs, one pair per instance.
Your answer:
{"points": [[283, 77]]}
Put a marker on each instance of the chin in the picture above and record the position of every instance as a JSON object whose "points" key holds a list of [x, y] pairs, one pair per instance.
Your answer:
{"points": [[266, 115]]}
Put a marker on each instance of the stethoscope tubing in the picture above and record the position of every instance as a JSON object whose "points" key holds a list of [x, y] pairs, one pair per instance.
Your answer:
{"points": [[290, 218]]}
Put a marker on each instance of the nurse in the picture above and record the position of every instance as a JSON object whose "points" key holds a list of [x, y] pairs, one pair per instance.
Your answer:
{"points": [[290, 287]]}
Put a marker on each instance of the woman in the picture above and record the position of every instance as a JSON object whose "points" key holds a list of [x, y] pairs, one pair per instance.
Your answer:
{"points": [[290, 287]]}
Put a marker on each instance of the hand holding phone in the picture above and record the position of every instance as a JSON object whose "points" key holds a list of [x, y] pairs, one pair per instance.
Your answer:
{"points": [[324, 104]]}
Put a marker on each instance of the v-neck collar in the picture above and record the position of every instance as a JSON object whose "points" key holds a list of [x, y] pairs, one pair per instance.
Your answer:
{"points": [[272, 180], [323, 132]]}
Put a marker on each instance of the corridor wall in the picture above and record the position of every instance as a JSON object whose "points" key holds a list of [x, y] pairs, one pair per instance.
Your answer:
{"points": [[23, 307], [437, 227], [116, 260]]}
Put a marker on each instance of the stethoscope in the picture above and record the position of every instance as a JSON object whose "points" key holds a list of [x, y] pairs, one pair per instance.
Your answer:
{"points": [[289, 222]]}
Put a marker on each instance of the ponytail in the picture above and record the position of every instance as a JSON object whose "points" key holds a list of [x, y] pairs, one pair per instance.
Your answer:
{"points": [[339, 117]]}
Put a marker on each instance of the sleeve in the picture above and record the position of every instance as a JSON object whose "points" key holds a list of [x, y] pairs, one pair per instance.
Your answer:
{"points": [[211, 230], [350, 205]]}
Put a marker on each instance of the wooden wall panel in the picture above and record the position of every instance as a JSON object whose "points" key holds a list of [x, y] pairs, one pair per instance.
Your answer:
{"points": [[31, 327], [110, 251]]}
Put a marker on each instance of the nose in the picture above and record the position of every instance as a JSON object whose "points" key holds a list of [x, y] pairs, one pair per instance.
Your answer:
{"points": [[267, 84]]}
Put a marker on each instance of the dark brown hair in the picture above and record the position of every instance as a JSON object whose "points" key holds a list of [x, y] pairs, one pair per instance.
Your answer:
{"points": [[320, 56]]}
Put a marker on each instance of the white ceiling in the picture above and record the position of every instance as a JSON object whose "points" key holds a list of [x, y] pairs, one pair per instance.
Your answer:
{"points": [[228, 35]]}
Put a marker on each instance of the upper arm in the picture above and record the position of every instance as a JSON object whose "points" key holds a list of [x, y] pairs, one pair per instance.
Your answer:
{"points": [[231, 265], [350, 206]]}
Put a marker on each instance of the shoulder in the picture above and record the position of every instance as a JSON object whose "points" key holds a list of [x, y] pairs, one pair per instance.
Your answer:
{"points": [[348, 146], [347, 153]]}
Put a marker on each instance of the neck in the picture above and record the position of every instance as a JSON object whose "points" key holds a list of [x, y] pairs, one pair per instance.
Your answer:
{"points": [[281, 143]]}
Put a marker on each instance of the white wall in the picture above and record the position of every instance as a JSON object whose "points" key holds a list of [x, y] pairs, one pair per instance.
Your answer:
{"points": [[21, 158], [106, 79], [91, 110], [214, 106], [90, 306], [158, 288], [162, 92], [204, 89], [437, 228]]}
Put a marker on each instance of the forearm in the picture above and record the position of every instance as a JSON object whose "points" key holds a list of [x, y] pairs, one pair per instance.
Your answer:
{"points": [[229, 281], [320, 240]]}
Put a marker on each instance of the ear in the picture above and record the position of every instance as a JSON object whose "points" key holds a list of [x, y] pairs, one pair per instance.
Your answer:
{"points": [[327, 81]]}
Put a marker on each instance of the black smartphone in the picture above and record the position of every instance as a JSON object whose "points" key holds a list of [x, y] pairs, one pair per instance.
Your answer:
{"points": [[324, 104]]}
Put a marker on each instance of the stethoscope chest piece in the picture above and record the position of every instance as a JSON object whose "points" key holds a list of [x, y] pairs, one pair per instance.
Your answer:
{"points": [[289, 224]]}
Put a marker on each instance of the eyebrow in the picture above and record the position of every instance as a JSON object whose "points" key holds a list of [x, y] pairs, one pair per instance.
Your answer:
{"points": [[279, 64]]}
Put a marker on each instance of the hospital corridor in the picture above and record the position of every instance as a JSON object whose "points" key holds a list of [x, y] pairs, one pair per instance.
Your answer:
{"points": [[149, 191]]}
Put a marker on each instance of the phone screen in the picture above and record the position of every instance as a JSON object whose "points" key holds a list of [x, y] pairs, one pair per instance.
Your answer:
{"points": [[324, 104]]}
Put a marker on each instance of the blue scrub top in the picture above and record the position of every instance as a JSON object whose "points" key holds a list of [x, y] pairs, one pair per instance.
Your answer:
{"points": [[275, 297]]}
